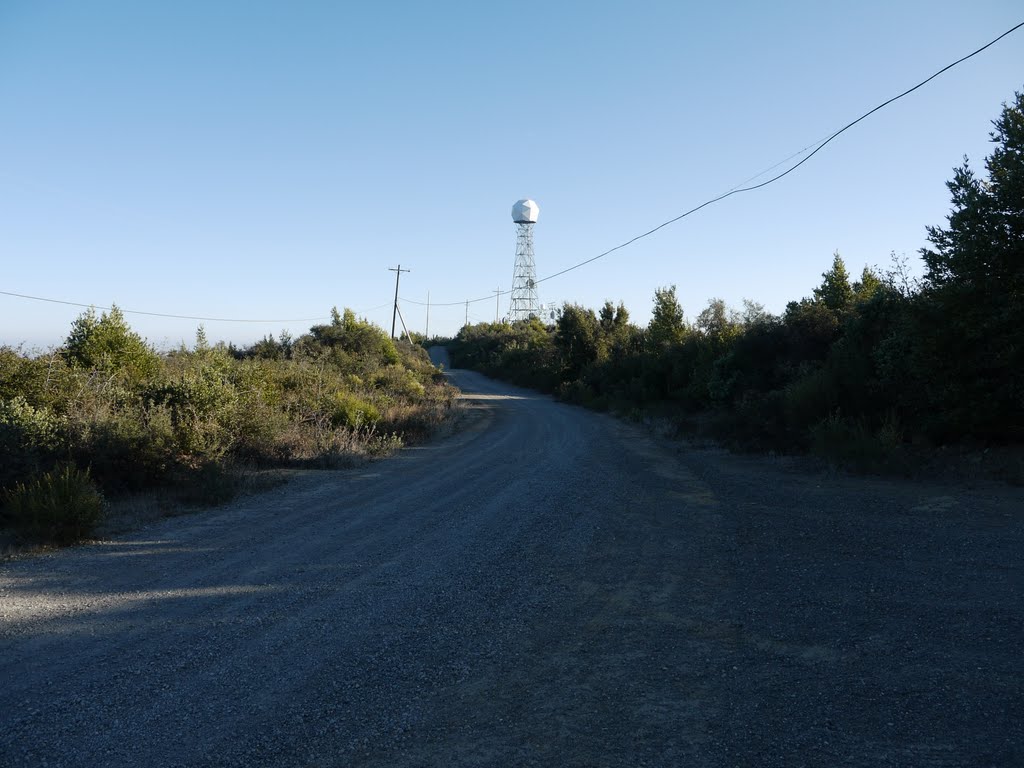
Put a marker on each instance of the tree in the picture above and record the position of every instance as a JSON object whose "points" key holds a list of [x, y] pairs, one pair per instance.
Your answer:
{"points": [[811, 329], [667, 324], [754, 313], [868, 285], [107, 343], [982, 249], [717, 322], [577, 336], [613, 318], [616, 332], [835, 291], [202, 342], [971, 310], [267, 348]]}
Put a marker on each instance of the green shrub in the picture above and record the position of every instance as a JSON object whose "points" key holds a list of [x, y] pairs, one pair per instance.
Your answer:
{"points": [[40, 380], [140, 420], [37, 429], [61, 506], [258, 422], [30, 439], [352, 412], [129, 446], [201, 402], [396, 381], [360, 339]]}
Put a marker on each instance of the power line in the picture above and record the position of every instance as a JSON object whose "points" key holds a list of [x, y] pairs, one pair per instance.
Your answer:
{"points": [[452, 303], [781, 162], [818, 146], [372, 309], [789, 170], [175, 317]]}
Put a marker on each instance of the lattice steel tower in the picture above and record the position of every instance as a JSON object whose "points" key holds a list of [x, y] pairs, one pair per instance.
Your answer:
{"points": [[524, 303]]}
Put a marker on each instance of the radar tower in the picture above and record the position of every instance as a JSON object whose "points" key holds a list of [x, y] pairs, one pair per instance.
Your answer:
{"points": [[524, 303]]}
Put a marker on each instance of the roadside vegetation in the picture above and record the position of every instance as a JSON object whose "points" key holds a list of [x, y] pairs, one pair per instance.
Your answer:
{"points": [[867, 368], [105, 416]]}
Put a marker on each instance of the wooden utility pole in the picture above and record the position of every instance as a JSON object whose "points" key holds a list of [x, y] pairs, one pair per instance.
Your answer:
{"points": [[394, 311]]}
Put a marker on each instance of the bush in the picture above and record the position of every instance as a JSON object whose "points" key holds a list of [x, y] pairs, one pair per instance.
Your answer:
{"points": [[129, 448], [399, 382], [352, 412], [201, 402], [61, 506], [140, 420], [258, 417], [29, 439]]}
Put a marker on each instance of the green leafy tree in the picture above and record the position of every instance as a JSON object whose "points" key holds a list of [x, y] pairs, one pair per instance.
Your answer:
{"points": [[754, 313], [717, 322], [615, 330], [577, 336], [667, 325], [107, 343]]}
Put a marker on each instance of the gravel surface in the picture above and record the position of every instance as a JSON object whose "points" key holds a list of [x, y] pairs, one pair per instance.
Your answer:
{"points": [[549, 587]]}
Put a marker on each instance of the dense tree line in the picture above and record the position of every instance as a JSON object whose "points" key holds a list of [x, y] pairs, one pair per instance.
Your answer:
{"points": [[869, 362], [105, 412]]}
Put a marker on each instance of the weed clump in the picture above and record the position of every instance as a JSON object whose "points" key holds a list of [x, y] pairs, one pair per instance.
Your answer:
{"points": [[61, 506]]}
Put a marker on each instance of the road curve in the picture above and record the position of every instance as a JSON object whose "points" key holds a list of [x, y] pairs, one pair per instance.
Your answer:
{"points": [[547, 587]]}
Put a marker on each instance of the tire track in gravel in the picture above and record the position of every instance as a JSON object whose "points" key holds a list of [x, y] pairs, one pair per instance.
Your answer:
{"points": [[547, 587]]}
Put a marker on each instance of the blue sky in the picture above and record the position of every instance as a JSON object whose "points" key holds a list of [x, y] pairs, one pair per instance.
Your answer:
{"points": [[271, 160]]}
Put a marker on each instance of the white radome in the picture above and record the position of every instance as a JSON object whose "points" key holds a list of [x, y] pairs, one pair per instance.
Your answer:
{"points": [[525, 212]]}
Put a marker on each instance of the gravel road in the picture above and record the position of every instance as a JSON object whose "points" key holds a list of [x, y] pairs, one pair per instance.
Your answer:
{"points": [[548, 587]]}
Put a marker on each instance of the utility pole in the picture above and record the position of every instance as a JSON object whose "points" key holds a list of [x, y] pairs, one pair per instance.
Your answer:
{"points": [[497, 296], [394, 311], [467, 312], [427, 332]]}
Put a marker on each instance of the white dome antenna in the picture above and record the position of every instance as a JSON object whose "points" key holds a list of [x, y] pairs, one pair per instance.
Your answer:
{"points": [[525, 212]]}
